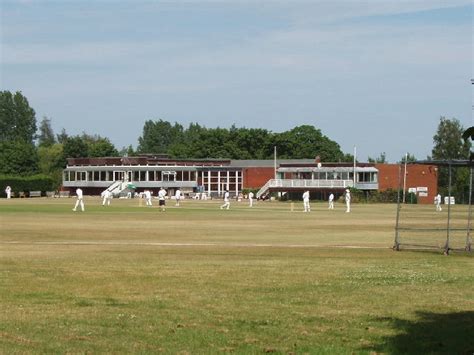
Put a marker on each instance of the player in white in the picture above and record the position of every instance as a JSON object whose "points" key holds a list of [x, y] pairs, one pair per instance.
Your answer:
{"points": [[306, 205], [8, 191], [107, 197], [147, 194], [348, 200], [250, 199], [177, 196], [161, 199], [226, 204], [438, 203], [331, 201], [80, 200]]}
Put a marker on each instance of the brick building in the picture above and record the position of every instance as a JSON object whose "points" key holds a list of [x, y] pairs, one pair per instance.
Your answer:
{"points": [[214, 176]]}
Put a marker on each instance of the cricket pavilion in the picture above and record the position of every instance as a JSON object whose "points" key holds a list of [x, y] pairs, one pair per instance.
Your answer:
{"points": [[214, 176]]}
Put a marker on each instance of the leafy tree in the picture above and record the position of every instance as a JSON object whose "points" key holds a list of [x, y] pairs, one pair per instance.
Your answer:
{"points": [[381, 159], [46, 136], [62, 137], [449, 145], [99, 146], [17, 133], [159, 136], [75, 147], [51, 161], [18, 158], [17, 118], [410, 158]]}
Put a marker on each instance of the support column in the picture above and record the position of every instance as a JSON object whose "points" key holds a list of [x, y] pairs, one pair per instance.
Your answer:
{"points": [[236, 182], [209, 183], [219, 182], [228, 178]]}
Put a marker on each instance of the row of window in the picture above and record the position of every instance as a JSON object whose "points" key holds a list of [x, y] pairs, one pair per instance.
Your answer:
{"points": [[361, 176]]}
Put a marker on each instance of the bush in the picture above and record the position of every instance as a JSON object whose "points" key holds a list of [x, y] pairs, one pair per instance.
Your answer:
{"points": [[26, 184]]}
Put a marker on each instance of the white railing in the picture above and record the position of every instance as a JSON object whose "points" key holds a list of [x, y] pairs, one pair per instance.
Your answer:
{"points": [[299, 183]]}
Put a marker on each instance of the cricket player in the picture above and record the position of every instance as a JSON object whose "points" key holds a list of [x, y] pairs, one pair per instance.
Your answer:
{"points": [[307, 208], [226, 204], [348, 201], [107, 197], [79, 200], [147, 194], [331, 201], [251, 199], [8, 191], [161, 199], [438, 203], [177, 196]]}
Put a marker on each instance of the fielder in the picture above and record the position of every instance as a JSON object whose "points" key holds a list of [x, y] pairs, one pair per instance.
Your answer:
{"points": [[8, 191], [250, 199], [161, 199], [348, 201], [147, 194], [307, 208], [331, 201], [438, 203], [226, 204], [177, 196], [107, 195], [79, 200]]}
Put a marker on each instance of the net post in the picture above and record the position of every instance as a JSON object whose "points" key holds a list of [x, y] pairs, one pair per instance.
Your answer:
{"points": [[448, 228], [469, 215], [396, 244]]}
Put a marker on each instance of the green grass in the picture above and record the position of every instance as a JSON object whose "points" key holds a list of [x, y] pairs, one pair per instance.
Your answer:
{"points": [[195, 279]]}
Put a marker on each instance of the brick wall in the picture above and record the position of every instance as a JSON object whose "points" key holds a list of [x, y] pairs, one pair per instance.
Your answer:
{"points": [[257, 177], [417, 176]]}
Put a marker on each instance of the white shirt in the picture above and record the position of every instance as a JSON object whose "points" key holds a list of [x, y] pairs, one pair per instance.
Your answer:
{"points": [[306, 196], [226, 197], [250, 195], [79, 193], [161, 194], [178, 194], [147, 194], [348, 197], [331, 197]]}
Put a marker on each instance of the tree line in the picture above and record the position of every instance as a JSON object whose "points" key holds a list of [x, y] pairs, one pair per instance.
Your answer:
{"points": [[27, 148]]}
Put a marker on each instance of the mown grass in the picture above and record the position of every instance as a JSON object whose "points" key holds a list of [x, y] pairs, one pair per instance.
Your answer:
{"points": [[128, 279]]}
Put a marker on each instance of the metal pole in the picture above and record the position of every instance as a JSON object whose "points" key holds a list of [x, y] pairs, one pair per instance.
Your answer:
{"points": [[405, 177], [355, 162], [446, 247], [469, 215], [275, 160], [396, 245]]}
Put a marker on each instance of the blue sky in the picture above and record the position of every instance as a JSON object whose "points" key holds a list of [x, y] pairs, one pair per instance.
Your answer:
{"points": [[372, 74]]}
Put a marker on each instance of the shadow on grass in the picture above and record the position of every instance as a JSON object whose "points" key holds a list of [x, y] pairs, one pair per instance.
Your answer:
{"points": [[431, 333]]}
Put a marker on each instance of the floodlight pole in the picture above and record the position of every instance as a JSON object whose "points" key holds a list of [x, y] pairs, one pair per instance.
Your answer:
{"points": [[396, 245], [446, 247], [469, 215]]}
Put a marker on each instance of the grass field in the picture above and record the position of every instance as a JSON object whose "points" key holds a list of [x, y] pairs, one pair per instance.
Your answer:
{"points": [[197, 279]]}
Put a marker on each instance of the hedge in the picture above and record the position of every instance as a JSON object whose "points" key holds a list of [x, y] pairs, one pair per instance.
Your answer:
{"points": [[26, 184]]}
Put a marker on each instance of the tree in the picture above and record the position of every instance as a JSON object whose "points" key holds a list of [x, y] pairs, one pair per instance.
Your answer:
{"points": [[62, 137], [410, 158], [17, 132], [17, 118], [159, 136], [75, 147], [449, 145], [46, 135], [381, 159], [98, 146], [51, 161], [18, 158]]}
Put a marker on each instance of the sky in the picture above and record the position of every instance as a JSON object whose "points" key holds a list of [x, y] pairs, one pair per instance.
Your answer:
{"points": [[375, 74]]}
